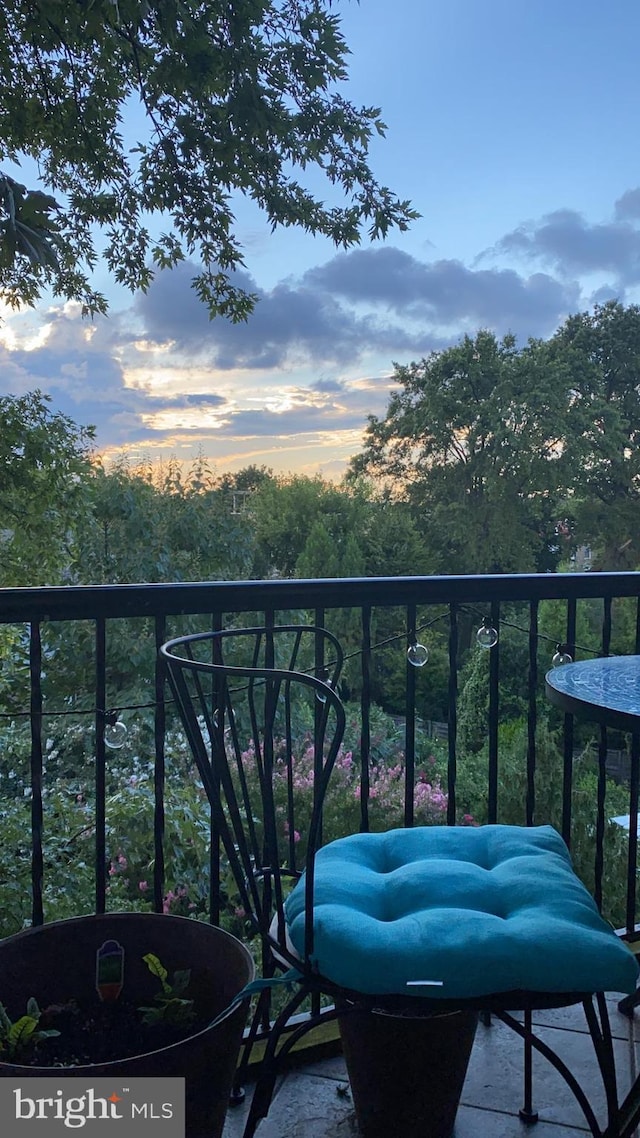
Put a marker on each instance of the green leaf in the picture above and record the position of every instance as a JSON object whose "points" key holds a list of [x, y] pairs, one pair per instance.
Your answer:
{"points": [[180, 981], [21, 1034], [32, 1008], [5, 1022], [157, 969]]}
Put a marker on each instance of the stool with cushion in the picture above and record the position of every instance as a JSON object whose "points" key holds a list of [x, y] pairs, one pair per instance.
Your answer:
{"points": [[415, 921]]}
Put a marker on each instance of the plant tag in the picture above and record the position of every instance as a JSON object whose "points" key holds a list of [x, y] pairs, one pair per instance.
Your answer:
{"points": [[109, 970]]}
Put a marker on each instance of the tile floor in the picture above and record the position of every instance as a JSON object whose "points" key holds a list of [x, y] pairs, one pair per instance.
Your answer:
{"points": [[315, 1102]]}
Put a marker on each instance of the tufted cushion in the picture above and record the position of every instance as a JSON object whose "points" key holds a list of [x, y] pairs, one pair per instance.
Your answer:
{"points": [[483, 909]]}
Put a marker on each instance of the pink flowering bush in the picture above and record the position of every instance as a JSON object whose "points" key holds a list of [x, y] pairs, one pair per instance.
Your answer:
{"points": [[342, 811]]}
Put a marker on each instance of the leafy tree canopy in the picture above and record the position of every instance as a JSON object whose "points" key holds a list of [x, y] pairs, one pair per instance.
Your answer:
{"points": [[235, 96], [158, 526], [44, 466], [472, 441], [601, 352]]}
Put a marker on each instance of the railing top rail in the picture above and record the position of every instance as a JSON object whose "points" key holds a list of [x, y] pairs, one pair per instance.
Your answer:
{"points": [[77, 602]]}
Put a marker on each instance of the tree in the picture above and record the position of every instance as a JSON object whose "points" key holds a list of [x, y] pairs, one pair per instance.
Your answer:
{"points": [[168, 528], [284, 511], [319, 557], [602, 351], [233, 96], [44, 472], [474, 442]]}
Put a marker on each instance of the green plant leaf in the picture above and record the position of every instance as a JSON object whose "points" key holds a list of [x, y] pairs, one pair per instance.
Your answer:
{"points": [[21, 1033], [157, 969], [180, 981], [33, 1008], [5, 1022]]}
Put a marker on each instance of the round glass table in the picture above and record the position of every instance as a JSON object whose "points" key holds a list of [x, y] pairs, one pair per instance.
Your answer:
{"points": [[606, 690]]}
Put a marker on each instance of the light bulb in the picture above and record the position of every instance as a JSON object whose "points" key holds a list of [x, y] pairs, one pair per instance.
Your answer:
{"points": [[115, 735], [417, 655], [487, 636]]}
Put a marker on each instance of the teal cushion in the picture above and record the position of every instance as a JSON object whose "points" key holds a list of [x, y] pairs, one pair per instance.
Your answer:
{"points": [[481, 909]]}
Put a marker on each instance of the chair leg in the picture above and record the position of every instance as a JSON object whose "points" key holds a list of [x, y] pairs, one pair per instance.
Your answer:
{"points": [[527, 1113], [268, 1072], [261, 1101], [629, 1003], [238, 1093], [600, 1032], [561, 1067]]}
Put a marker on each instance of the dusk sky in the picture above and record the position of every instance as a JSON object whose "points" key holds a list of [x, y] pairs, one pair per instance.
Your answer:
{"points": [[513, 129]]}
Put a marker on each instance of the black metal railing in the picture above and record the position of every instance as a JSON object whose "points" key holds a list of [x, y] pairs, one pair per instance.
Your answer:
{"points": [[90, 654]]}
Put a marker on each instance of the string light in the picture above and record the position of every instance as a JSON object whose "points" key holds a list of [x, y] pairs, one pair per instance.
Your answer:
{"points": [[417, 654], [115, 732], [487, 635]]}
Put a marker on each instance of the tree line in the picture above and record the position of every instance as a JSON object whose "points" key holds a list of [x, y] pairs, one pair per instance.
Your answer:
{"points": [[490, 458]]}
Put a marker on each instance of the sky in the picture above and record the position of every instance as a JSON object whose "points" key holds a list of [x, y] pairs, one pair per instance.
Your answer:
{"points": [[512, 126]]}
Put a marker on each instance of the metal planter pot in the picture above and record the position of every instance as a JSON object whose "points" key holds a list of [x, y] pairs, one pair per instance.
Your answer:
{"points": [[406, 1073], [57, 961]]}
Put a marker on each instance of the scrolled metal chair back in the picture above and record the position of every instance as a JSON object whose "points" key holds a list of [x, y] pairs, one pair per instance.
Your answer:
{"points": [[250, 700]]}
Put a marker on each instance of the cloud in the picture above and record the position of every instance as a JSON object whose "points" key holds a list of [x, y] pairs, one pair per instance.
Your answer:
{"points": [[203, 400], [78, 366], [446, 293], [573, 246], [315, 358], [627, 208], [328, 385], [292, 322]]}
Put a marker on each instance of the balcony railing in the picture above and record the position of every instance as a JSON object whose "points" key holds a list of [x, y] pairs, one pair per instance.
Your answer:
{"points": [[88, 655]]}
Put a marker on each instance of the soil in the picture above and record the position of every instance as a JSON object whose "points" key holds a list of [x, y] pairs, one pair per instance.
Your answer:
{"points": [[102, 1034]]}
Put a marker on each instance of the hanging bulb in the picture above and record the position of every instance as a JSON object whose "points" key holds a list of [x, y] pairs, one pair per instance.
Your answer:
{"points": [[228, 719], [115, 734], [417, 654], [560, 657], [487, 636]]}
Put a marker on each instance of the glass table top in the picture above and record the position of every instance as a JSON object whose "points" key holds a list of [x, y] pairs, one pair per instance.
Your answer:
{"points": [[606, 690]]}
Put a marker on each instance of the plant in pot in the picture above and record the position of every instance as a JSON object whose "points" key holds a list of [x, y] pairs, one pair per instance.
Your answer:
{"points": [[124, 995]]}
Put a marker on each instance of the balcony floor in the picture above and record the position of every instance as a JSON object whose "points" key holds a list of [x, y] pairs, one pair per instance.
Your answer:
{"points": [[314, 1101]]}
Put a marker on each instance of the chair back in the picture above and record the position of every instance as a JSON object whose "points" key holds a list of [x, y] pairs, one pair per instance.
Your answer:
{"points": [[250, 699]]}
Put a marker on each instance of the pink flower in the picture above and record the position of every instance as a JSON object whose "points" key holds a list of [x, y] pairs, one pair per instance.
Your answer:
{"points": [[143, 886]]}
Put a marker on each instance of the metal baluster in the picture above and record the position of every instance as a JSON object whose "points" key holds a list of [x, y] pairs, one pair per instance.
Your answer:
{"points": [[602, 772], [567, 765], [35, 719], [159, 730], [365, 705], [410, 725], [100, 783], [494, 698], [452, 714], [532, 714]]}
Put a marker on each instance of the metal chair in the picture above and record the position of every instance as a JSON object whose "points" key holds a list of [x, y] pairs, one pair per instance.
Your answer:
{"points": [[238, 692]]}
